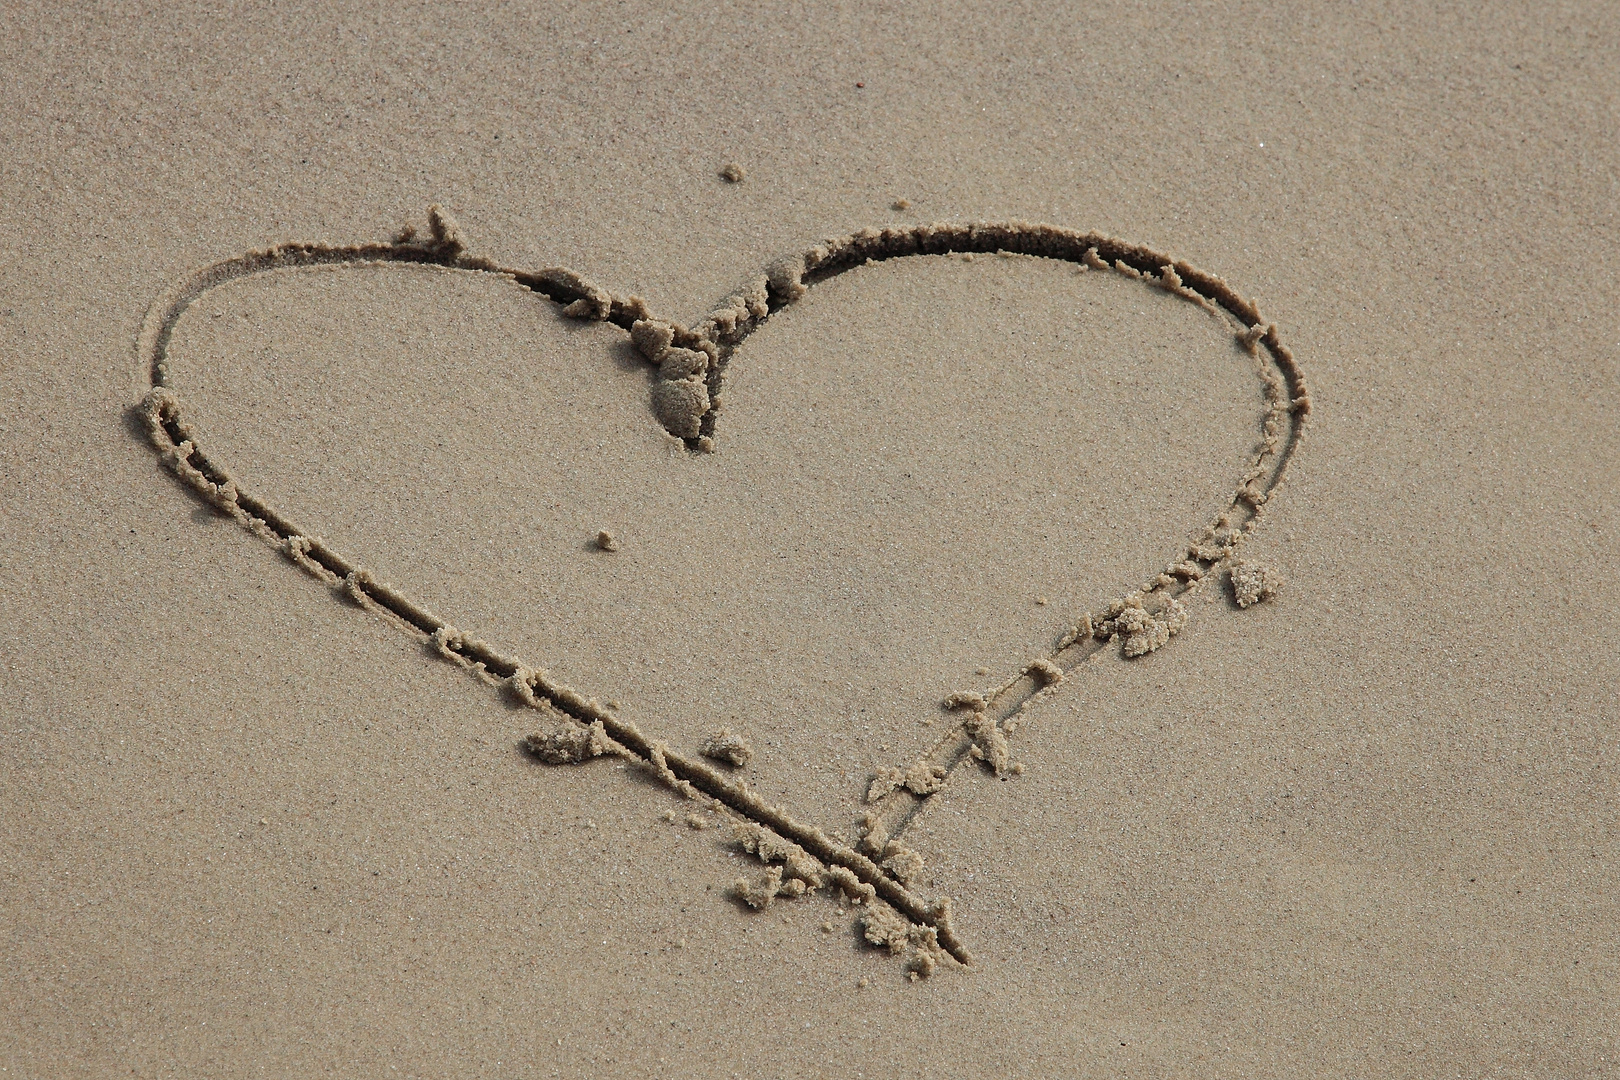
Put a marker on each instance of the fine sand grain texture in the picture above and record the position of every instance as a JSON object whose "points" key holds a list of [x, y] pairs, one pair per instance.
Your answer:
{"points": [[903, 668]]}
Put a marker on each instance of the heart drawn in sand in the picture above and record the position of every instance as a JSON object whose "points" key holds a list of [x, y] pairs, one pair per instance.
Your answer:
{"points": [[881, 498]]}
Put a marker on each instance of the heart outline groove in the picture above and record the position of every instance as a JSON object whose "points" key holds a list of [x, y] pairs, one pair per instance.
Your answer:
{"points": [[692, 362]]}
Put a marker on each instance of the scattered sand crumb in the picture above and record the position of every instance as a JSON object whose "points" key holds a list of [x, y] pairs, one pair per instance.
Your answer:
{"points": [[569, 744], [1141, 631], [921, 779], [759, 893], [883, 782], [1252, 583], [606, 542], [989, 742], [1046, 672], [874, 834], [651, 337], [904, 863], [924, 778], [852, 887], [882, 925], [727, 746], [798, 865], [732, 173]]}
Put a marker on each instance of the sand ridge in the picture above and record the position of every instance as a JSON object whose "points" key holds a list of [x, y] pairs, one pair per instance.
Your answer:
{"points": [[691, 364]]}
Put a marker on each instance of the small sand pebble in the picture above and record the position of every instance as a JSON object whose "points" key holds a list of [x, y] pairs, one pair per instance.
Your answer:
{"points": [[732, 173], [605, 541]]}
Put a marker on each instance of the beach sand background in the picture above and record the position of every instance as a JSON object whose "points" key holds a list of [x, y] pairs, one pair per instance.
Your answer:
{"points": [[1367, 827]]}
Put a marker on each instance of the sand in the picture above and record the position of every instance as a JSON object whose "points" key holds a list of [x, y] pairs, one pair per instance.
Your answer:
{"points": [[1121, 691]]}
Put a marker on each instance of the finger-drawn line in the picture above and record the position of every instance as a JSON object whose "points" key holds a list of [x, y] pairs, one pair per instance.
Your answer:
{"points": [[692, 363]]}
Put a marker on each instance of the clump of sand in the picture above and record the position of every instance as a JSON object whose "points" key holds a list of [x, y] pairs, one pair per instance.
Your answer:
{"points": [[885, 928], [922, 778], [726, 745], [989, 742], [1251, 582], [797, 864], [1142, 631], [569, 744]]}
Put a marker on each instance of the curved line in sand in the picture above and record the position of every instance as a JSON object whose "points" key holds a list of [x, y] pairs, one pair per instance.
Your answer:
{"points": [[597, 730]]}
